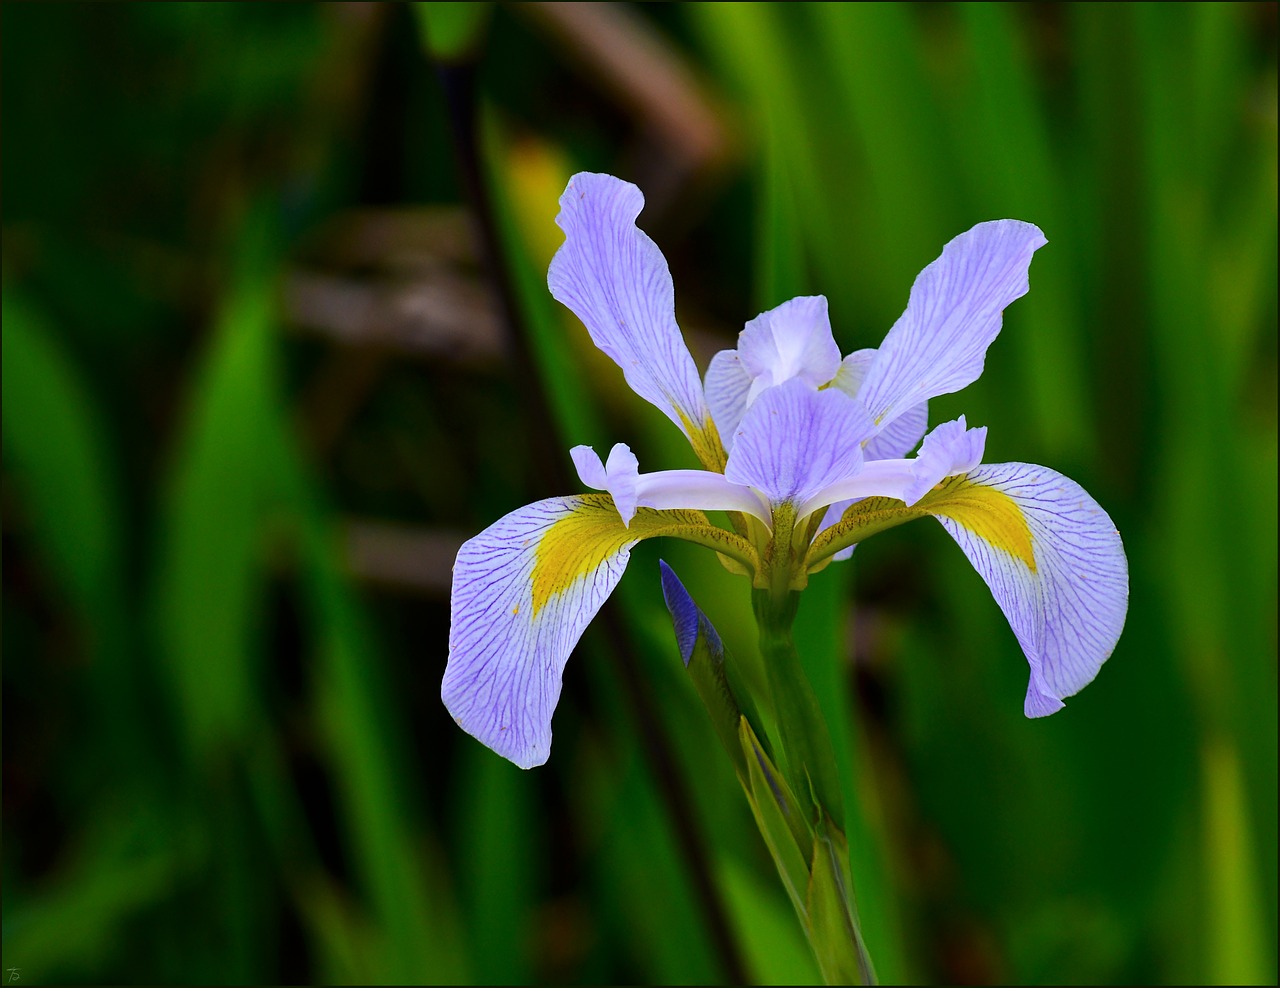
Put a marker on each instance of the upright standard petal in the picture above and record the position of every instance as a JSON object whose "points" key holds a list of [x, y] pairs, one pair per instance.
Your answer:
{"points": [[1054, 562], [940, 342], [792, 340], [616, 281], [795, 441], [727, 386], [524, 590], [893, 439]]}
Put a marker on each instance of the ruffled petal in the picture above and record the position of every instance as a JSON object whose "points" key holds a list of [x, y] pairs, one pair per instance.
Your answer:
{"points": [[616, 281], [1054, 562], [951, 448], [792, 340], [895, 438], [524, 590], [794, 441], [590, 467], [726, 388], [619, 476], [954, 313]]}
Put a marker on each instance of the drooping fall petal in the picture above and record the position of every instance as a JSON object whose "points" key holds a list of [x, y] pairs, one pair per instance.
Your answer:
{"points": [[1055, 564], [524, 590]]}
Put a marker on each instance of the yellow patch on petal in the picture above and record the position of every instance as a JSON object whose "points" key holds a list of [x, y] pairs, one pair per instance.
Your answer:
{"points": [[576, 545], [706, 442], [990, 514], [580, 543]]}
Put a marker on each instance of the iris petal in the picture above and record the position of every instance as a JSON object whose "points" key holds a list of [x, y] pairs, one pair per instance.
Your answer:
{"points": [[727, 385], [1051, 557], [1054, 563], [792, 340], [951, 448], [954, 313], [524, 590], [703, 490], [895, 438], [616, 281], [794, 441]]}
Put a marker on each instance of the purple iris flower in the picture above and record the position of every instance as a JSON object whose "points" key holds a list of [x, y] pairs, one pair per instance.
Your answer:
{"points": [[793, 438]]}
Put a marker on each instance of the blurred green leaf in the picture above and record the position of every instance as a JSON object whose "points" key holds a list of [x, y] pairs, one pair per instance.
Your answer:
{"points": [[776, 950], [1236, 932], [452, 31], [55, 445], [211, 572]]}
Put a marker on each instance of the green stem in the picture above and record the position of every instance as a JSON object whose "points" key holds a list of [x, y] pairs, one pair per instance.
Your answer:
{"points": [[832, 921]]}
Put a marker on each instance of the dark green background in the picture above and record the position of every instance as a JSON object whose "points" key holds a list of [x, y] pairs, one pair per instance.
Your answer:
{"points": [[228, 518]]}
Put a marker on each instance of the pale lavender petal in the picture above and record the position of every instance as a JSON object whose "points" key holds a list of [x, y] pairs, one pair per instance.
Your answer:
{"points": [[704, 490], [619, 476], [616, 280], [589, 466], [792, 340], [1068, 609], [726, 388], [954, 313], [794, 441], [522, 596], [623, 473], [951, 448], [875, 478], [895, 438], [899, 437], [853, 369]]}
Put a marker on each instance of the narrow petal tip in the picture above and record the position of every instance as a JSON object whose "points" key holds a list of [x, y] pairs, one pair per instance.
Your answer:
{"points": [[1040, 704]]}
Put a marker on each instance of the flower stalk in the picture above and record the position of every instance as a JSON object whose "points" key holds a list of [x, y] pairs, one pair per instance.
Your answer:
{"points": [[830, 918]]}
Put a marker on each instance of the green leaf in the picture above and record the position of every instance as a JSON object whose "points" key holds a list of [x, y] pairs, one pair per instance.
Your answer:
{"points": [[54, 444], [777, 951], [212, 566]]}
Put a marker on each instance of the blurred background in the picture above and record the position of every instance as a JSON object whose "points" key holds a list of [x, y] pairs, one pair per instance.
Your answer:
{"points": [[276, 339]]}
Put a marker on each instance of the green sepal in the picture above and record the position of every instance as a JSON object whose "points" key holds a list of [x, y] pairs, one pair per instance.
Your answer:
{"points": [[833, 926], [777, 815]]}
